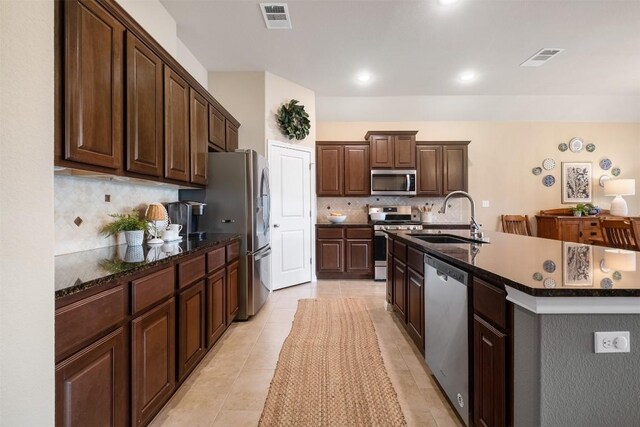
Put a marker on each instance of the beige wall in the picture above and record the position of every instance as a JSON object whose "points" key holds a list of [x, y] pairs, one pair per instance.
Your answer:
{"points": [[254, 98], [501, 155], [157, 21], [277, 92], [26, 214], [243, 95]]}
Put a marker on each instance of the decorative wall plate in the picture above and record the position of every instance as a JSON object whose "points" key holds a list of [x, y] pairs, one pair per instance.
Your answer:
{"points": [[548, 180], [563, 147], [575, 145], [537, 170], [591, 148], [606, 283], [616, 275], [602, 180], [605, 164], [549, 283], [549, 266], [537, 277], [548, 164], [615, 171]]}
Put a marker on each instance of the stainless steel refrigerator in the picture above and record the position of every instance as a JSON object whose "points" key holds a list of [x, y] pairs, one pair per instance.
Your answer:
{"points": [[237, 198]]}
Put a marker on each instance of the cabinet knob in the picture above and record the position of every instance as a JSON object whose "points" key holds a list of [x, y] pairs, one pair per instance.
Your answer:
{"points": [[276, 225]]}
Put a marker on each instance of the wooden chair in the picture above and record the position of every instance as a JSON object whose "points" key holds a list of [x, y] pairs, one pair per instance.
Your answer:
{"points": [[516, 224], [619, 233]]}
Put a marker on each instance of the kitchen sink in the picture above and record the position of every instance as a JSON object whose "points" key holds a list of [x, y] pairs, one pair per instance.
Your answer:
{"points": [[445, 238]]}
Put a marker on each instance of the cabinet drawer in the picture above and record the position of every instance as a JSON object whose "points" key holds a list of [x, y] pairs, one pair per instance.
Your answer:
{"points": [[151, 289], [415, 260], [215, 260], [330, 233], [490, 303], [233, 251], [400, 251], [87, 318], [190, 271], [359, 233]]}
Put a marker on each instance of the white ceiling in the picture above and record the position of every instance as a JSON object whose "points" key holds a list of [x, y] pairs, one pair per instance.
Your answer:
{"points": [[419, 47]]}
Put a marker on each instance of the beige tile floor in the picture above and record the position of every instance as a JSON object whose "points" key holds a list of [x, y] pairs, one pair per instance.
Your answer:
{"points": [[230, 385]]}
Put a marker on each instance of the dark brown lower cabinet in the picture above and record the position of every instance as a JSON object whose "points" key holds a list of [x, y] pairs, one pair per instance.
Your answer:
{"points": [[330, 256], [153, 366], [390, 269], [232, 291], [191, 328], [399, 288], [359, 256], [92, 386], [415, 307], [216, 319], [489, 375]]}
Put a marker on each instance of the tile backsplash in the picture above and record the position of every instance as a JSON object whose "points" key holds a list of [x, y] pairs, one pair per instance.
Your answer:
{"points": [[81, 209], [356, 208]]}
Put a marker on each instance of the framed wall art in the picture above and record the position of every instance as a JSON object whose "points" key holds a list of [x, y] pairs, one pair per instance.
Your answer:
{"points": [[577, 182], [578, 264]]}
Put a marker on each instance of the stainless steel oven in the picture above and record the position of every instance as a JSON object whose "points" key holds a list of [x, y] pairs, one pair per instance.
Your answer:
{"points": [[393, 182], [396, 218]]}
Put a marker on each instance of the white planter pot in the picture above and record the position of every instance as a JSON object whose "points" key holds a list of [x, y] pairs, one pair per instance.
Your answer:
{"points": [[134, 238], [134, 254]]}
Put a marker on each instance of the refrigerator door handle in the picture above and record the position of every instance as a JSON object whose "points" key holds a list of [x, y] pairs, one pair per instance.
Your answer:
{"points": [[264, 254]]}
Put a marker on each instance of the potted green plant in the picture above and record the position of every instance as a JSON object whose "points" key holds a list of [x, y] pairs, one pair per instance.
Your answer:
{"points": [[583, 209], [132, 225]]}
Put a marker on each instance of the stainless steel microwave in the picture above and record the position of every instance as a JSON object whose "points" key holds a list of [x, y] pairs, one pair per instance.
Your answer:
{"points": [[393, 182]]}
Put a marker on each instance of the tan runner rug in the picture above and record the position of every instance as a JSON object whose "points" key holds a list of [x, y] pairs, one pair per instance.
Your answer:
{"points": [[330, 371]]}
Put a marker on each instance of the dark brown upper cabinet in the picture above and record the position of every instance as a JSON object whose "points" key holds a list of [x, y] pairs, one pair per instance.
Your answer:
{"points": [[176, 126], [442, 167], [231, 137], [343, 169], [93, 85], [429, 167], [454, 168], [144, 109], [329, 170], [357, 174], [392, 149], [217, 129], [199, 137]]}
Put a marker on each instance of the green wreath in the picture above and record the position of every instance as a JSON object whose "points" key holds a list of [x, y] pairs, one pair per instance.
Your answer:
{"points": [[293, 120]]}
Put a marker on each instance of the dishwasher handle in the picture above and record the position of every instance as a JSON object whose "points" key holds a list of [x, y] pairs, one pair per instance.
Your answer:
{"points": [[442, 276], [445, 270]]}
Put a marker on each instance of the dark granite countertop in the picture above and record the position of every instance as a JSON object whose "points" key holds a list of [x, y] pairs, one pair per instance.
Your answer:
{"points": [[343, 224], [80, 271], [539, 267]]}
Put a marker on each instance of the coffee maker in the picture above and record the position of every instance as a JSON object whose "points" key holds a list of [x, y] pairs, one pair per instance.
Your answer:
{"points": [[187, 214]]}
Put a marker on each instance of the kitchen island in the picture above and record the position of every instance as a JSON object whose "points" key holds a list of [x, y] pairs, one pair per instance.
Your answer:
{"points": [[132, 322], [533, 308]]}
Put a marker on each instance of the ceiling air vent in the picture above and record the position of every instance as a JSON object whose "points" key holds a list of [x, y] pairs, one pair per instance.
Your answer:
{"points": [[541, 57], [276, 16]]}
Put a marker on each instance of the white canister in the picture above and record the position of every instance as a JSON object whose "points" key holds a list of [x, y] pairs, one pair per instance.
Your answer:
{"points": [[426, 216]]}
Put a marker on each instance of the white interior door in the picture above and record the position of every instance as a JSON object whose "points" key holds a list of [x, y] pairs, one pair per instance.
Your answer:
{"points": [[290, 176]]}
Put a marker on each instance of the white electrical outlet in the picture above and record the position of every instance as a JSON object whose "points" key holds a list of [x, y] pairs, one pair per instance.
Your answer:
{"points": [[612, 342], [485, 204]]}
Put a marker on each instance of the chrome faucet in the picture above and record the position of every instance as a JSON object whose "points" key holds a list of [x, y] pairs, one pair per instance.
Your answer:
{"points": [[475, 227]]}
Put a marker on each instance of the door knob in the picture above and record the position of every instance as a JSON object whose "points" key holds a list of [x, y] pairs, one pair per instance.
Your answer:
{"points": [[276, 225]]}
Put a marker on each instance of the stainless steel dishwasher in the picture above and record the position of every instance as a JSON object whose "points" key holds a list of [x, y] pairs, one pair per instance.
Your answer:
{"points": [[446, 330]]}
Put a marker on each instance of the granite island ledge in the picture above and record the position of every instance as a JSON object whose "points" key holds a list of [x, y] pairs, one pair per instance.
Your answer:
{"points": [[542, 275]]}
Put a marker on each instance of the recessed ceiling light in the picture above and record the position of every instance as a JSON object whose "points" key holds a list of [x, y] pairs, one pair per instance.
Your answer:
{"points": [[467, 76], [363, 77], [446, 2]]}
